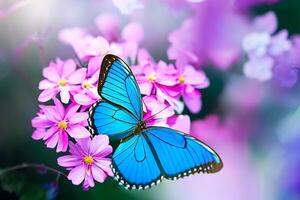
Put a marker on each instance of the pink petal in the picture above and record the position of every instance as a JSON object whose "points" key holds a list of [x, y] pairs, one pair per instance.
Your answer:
{"points": [[39, 122], [52, 141], [51, 74], [47, 94], [88, 182], [182, 123], [45, 84], [194, 77], [98, 174], [69, 161], [98, 144], [94, 65], [105, 166], [71, 110], [64, 95], [83, 99], [78, 117], [51, 114], [192, 101], [38, 134], [77, 174], [146, 88], [78, 132], [59, 108], [83, 145], [78, 76], [50, 132], [68, 67], [63, 141]]}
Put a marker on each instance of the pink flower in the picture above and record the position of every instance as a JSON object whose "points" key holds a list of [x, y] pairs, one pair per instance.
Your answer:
{"points": [[87, 93], [190, 80], [155, 112], [55, 124], [89, 161], [158, 79], [61, 77], [87, 46]]}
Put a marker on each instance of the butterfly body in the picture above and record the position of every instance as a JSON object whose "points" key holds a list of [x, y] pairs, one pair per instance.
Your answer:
{"points": [[146, 154]]}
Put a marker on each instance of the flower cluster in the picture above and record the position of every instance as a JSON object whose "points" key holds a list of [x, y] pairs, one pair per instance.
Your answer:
{"points": [[271, 54], [71, 85]]}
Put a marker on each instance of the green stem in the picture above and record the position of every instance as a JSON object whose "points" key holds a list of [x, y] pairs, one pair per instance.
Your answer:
{"points": [[31, 165]]}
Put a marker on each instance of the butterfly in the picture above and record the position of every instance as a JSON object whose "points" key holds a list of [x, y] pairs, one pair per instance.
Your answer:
{"points": [[146, 154]]}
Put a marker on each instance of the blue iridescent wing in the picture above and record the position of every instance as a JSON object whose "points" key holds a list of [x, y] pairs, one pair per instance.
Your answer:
{"points": [[179, 154], [118, 86], [109, 119], [134, 165]]}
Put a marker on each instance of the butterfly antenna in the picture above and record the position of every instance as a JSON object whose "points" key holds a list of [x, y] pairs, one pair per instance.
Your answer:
{"points": [[156, 114]]}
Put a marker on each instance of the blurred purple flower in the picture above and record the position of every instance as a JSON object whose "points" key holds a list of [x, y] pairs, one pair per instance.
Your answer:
{"points": [[244, 4], [270, 56], [61, 77], [55, 123], [259, 68], [206, 38], [89, 161]]}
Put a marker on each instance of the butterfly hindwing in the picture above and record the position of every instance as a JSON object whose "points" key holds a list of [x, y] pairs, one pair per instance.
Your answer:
{"points": [[118, 85], [134, 164], [180, 154], [106, 118]]}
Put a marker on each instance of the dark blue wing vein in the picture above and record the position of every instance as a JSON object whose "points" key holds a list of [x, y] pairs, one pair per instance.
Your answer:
{"points": [[134, 164], [179, 154], [118, 86], [111, 120]]}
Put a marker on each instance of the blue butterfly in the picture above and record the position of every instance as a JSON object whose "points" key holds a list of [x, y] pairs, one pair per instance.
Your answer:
{"points": [[145, 155]]}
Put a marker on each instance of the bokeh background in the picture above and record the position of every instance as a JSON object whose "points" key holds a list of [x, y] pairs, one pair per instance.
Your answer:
{"points": [[255, 126]]}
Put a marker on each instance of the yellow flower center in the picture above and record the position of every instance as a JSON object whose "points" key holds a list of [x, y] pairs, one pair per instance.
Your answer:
{"points": [[181, 79], [62, 124], [86, 85], [152, 77], [88, 160], [62, 82], [103, 52]]}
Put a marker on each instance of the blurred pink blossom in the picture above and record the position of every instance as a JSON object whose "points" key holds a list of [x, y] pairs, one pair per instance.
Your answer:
{"points": [[109, 26], [89, 161], [61, 77], [206, 37], [55, 124]]}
